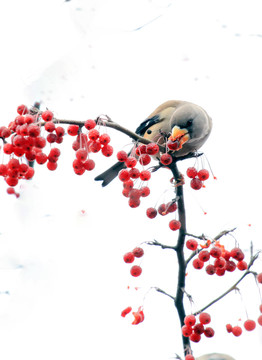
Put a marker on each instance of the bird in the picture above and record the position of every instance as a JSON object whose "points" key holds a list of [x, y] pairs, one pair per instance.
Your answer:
{"points": [[174, 120]]}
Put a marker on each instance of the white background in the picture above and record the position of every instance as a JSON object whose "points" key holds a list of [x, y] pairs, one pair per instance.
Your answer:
{"points": [[63, 282]]}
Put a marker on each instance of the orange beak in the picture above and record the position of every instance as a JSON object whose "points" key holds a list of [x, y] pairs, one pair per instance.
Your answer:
{"points": [[179, 135]]}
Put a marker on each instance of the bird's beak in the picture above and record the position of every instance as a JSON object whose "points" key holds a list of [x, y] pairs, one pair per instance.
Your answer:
{"points": [[179, 135]]}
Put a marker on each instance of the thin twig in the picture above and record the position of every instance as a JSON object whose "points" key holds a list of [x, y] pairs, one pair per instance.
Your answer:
{"points": [[156, 243], [165, 293]]}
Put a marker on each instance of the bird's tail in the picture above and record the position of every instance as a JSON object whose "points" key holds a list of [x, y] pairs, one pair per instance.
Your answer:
{"points": [[109, 175]]}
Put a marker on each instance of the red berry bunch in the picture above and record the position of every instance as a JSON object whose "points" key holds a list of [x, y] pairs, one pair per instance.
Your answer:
{"points": [[197, 177], [129, 258], [223, 260], [164, 209], [92, 142], [194, 330]]}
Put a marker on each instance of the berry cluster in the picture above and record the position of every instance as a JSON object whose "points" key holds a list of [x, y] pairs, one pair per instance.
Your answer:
{"points": [[92, 142], [164, 209], [223, 260], [129, 258], [194, 330], [197, 177]]}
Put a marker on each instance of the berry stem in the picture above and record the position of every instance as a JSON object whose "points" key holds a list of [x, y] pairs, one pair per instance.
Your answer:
{"points": [[179, 303]]}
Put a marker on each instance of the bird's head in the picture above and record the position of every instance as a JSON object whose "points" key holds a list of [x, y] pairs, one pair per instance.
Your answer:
{"points": [[188, 123]]}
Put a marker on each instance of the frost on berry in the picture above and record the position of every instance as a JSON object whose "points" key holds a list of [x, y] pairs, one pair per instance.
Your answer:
{"points": [[209, 332], [195, 337], [186, 330], [196, 184], [191, 172], [190, 320], [145, 175], [198, 264], [204, 255], [204, 318], [166, 159], [121, 156]]}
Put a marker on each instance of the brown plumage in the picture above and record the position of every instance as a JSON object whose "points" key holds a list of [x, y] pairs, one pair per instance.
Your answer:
{"points": [[166, 121]]}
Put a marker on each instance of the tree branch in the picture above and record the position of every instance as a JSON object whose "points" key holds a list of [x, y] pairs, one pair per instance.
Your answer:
{"points": [[233, 287]]}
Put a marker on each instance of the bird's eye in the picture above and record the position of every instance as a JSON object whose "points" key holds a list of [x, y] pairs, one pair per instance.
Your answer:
{"points": [[189, 122], [149, 131]]}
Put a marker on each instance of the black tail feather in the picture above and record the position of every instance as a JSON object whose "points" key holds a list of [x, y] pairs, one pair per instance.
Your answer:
{"points": [[111, 173]]}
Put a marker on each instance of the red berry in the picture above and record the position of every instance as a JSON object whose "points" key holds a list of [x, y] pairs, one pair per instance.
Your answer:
{"points": [[107, 150], [126, 311], [93, 134], [134, 202], [90, 124], [8, 148], [190, 320], [151, 213], [171, 207], [195, 337], [122, 156], [129, 257], [162, 209], [204, 255], [5, 132], [209, 332], [72, 130], [95, 146], [210, 269], [81, 154], [229, 328], [10, 191], [203, 174], [173, 145], [40, 142], [41, 158], [23, 168], [204, 318], [242, 265], [166, 159], [144, 159], [220, 272], [134, 193], [3, 170], [220, 263], [11, 181], [259, 278], [124, 175], [29, 119], [230, 266], [189, 357], [135, 270], [215, 252], [47, 115], [50, 126], [104, 139], [33, 130], [138, 252], [196, 184], [22, 109], [141, 149], [129, 184], [186, 330], [89, 164], [60, 131], [174, 225], [51, 165], [198, 264], [152, 149], [145, 175], [237, 254], [13, 164], [199, 329], [192, 244], [259, 320], [145, 191], [191, 172], [51, 138], [134, 173], [249, 325], [130, 162]]}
